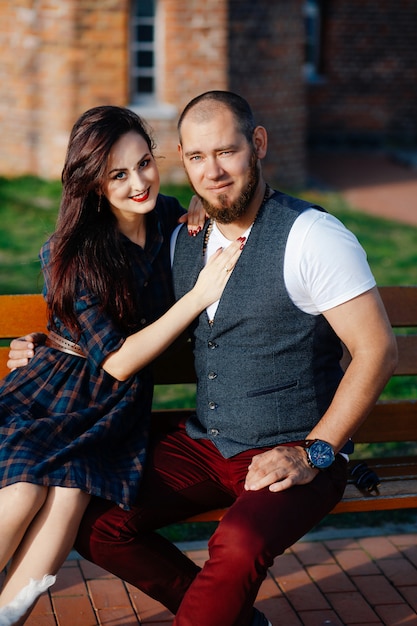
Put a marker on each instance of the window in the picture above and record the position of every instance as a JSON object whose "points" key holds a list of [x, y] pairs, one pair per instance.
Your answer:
{"points": [[313, 33], [143, 51]]}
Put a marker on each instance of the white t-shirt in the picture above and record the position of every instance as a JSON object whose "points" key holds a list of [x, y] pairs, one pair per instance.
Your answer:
{"points": [[324, 264]]}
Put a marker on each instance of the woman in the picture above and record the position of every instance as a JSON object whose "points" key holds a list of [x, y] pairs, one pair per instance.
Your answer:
{"points": [[74, 423]]}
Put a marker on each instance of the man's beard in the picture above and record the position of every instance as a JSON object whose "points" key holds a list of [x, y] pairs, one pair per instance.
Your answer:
{"points": [[227, 212]]}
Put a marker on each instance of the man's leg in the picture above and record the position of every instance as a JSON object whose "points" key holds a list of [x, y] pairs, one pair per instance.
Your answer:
{"points": [[186, 477], [176, 484], [259, 526], [142, 558]]}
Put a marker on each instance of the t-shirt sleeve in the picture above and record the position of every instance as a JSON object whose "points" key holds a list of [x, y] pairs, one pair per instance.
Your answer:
{"points": [[324, 264]]}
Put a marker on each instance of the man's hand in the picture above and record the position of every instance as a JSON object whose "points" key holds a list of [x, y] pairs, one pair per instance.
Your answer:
{"points": [[23, 349], [279, 468]]}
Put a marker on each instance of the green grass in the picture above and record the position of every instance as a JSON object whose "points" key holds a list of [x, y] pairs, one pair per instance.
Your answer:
{"points": [[28, 210], [390, 245]]}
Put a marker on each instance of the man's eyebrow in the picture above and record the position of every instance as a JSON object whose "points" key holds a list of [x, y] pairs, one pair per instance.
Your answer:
{"points": [[226, 148], [192, 153]]}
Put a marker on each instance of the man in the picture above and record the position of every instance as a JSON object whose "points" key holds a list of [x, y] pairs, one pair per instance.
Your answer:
{"points": [[274, 410]]}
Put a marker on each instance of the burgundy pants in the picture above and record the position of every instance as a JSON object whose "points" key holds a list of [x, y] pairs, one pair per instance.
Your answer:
{"points": [[186, 477]]}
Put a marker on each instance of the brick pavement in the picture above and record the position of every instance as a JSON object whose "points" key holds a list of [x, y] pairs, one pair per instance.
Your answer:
{"points": [[369, 581], [375, 183]]}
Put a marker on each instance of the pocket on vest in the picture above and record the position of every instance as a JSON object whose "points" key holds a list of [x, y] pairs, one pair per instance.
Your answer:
{"points": [[263, 391]]}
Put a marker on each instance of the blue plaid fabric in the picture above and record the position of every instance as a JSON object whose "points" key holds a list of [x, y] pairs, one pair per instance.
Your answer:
{"points": [[63, 420]]}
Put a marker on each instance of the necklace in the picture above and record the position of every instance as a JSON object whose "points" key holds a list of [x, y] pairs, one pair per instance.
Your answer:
{"points": [[211, 223]]}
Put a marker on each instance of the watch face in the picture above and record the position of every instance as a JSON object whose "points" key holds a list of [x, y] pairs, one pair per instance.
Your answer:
{"points": [[321, 454]]}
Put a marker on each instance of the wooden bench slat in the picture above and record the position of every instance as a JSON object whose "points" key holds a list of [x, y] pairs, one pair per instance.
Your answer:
{"points": [[3, 360], [20, 314], [388, 465], [407, 355], [401, 304], [360, 504], [389, 421], [394, 473]]}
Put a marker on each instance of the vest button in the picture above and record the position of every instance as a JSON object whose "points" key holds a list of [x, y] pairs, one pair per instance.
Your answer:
{"points": [[212, 375], [212, 345], [214, 432], [212, 405]]}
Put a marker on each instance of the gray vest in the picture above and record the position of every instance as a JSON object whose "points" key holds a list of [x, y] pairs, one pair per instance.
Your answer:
{"points": [[266, 371]]}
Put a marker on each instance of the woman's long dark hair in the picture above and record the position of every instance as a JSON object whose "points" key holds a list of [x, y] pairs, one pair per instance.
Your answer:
{"points": [[86, 245]]}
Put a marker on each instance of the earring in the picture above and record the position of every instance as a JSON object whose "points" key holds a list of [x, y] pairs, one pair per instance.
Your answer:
{"points": [[99, 204]]}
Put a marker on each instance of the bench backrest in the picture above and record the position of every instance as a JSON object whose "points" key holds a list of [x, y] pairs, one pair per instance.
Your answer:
{"points": [[389, 420], [396, 420], [19, 314]]}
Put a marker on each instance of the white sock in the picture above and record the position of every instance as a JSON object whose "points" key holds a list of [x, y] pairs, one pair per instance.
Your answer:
{"points": [[10, 613]]}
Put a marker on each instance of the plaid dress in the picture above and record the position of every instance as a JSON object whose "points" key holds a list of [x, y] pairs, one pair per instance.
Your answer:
{"points": [[63, 420]]}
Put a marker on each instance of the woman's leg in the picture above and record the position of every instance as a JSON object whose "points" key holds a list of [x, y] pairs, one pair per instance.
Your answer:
{"points": [[47, 541], [19, 504]]}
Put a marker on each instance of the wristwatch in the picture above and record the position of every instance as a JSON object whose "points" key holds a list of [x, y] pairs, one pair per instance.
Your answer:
{"points": [[320, 454]]}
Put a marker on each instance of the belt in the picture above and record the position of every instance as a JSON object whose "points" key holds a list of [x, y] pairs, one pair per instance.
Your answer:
{"points": [[57, 342]]}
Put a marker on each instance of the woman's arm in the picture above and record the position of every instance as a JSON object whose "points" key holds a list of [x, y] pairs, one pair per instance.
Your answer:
{"points": [[144, 346]]}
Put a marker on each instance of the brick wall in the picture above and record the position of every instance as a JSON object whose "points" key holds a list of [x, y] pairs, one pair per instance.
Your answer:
{"points": [[29, 61], [266, 47], [248, 47], [60, 58], [195, 60], [57, 61], [368, 95]]}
